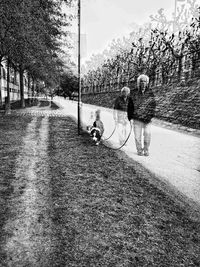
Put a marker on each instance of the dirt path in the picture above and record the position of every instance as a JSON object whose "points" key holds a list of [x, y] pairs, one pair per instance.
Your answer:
{"points": [[29, 226]]}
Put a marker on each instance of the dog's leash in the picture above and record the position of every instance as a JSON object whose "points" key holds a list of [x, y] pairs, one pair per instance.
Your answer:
{"points": [[131, 127], [111, 133]]}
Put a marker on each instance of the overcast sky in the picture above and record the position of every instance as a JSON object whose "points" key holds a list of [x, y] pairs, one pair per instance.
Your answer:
{"points": [[104, 20]]}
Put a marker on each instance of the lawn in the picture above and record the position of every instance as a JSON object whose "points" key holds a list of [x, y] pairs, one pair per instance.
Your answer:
{"points": [[12, 130], [108, 213], [105, 209]]}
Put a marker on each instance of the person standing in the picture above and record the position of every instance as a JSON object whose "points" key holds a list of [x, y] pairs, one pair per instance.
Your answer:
{"points": [[120, 113], [141, 110]]}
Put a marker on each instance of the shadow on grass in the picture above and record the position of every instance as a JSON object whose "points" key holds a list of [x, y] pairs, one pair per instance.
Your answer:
{"points": [[17, 104], [12, 129], [41, 103], [107, 212]]}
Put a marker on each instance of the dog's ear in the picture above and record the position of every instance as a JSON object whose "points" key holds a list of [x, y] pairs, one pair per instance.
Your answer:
{"points": [[99, 135]]}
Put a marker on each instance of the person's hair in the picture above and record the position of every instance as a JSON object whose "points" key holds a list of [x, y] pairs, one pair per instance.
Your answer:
{"points": [[142, 77], [125, 89]]}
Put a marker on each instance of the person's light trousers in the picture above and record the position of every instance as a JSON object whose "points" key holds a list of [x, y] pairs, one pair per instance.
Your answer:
{"points": [[122, 129], [142, 132]]}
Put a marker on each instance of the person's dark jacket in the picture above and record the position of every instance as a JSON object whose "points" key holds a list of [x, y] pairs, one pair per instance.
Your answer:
{"points": [[120, 107], [142, 106], [121, 103]]}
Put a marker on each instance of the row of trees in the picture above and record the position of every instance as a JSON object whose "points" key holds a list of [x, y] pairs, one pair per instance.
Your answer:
{"points": [[68, 84], [31, 33], [162, 54]]}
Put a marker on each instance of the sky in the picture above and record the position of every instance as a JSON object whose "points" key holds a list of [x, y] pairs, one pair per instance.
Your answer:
{"points": [[104, 20]]}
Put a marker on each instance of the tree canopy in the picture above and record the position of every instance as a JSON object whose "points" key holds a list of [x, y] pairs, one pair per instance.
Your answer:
{"points": [[30, 36], [160, 53]]}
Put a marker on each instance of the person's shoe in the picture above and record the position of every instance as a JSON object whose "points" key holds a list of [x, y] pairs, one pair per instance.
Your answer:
{"points": [[146, 153]]}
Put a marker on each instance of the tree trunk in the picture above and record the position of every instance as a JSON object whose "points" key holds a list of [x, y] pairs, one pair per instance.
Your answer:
{"points": [[7, 99], [21, 72], [33, 92], [180, 68], [1, 74], [1, 102], [29, 89]]}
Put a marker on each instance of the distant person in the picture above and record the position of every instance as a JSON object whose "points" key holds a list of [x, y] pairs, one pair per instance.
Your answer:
{"points": [[141, 110], [120, 113], [90, 122]]}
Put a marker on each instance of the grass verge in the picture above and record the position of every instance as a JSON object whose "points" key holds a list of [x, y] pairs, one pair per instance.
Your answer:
{"points": [[12, 130], [107, 213]]}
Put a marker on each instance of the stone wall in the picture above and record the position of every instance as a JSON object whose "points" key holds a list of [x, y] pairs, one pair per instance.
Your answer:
{"points": [[176, 104]]}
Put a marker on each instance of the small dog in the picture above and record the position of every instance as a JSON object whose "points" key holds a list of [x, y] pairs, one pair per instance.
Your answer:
{"points": [[97, 130], [96, 135]]}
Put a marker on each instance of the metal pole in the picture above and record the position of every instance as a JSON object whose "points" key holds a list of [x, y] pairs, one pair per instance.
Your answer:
{"points": [[79, 67]]}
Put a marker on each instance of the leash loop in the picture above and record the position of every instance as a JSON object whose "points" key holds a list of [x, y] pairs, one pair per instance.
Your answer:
{"points": [[131, 127], [111, 133]]}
